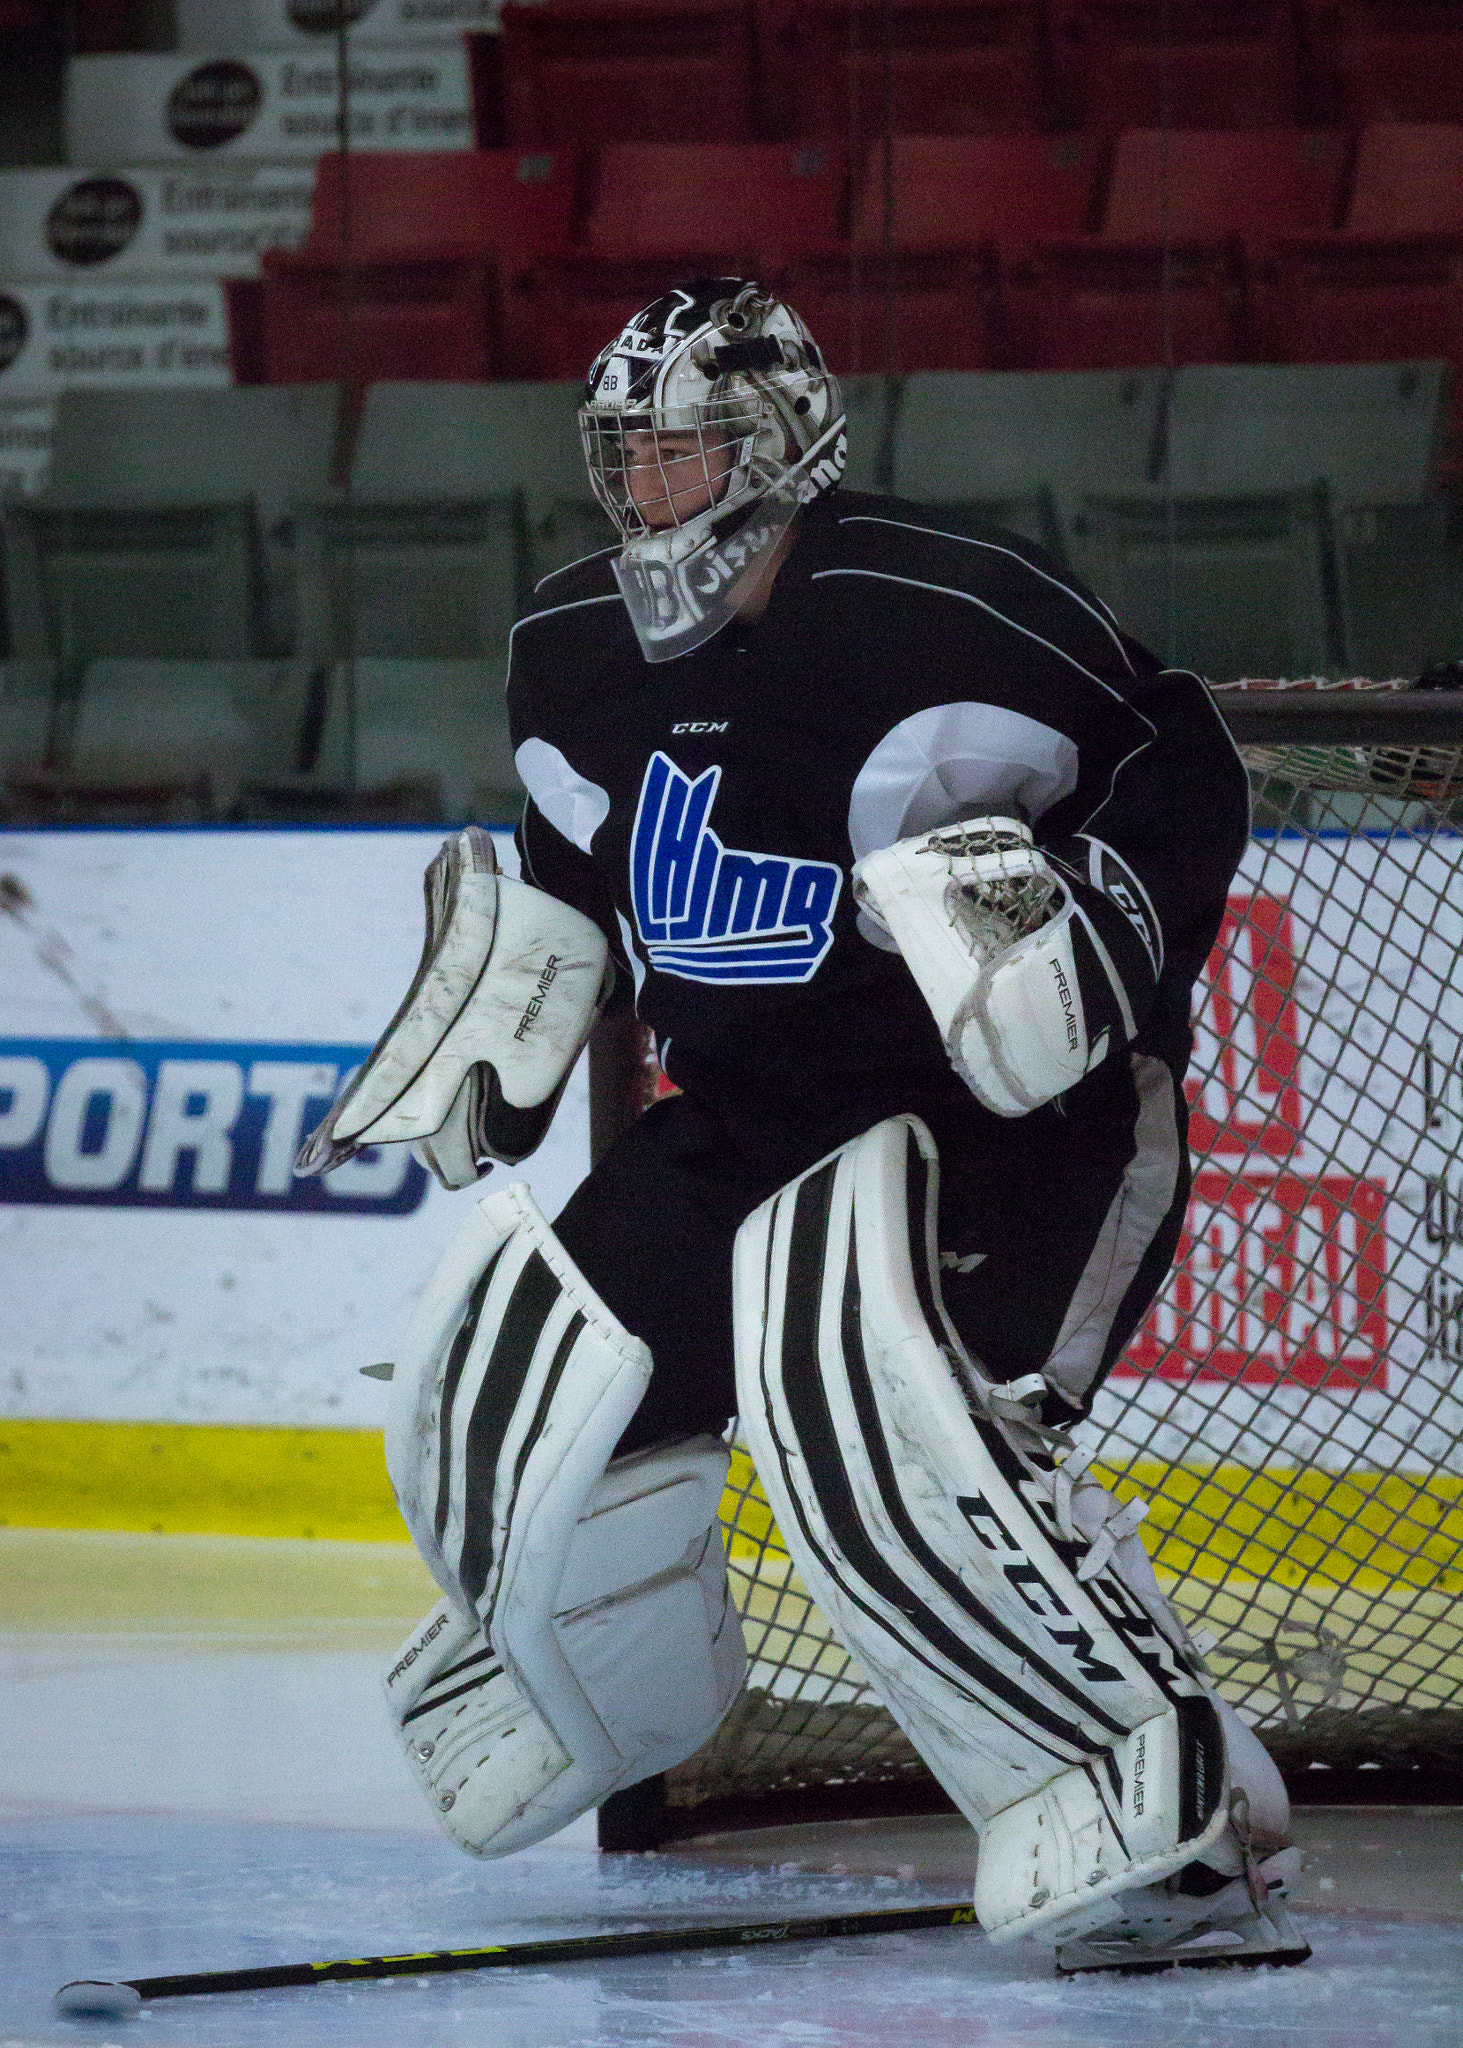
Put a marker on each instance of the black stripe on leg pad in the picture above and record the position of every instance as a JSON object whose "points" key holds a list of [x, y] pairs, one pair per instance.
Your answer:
{"points": [[472, 1584], [1201, 1765], [817, 1437], [456, 1359], [535, 1292]]}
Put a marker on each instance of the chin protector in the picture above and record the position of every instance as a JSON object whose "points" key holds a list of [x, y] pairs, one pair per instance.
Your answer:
{"points": [[471, 1067], [587, 1640], [999, 1600], [1034, 967]]}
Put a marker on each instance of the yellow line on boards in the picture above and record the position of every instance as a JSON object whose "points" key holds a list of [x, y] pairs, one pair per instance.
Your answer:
{"points": [[197, 1479]]}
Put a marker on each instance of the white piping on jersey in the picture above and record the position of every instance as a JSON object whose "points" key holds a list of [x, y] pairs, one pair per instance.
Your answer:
{"points": [[1104, 618], [637, 965], [574, 605], [577, 563], [947, 590]]}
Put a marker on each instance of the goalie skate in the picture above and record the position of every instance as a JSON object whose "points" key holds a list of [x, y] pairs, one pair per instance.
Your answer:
{"points": [[1165, 1926]]}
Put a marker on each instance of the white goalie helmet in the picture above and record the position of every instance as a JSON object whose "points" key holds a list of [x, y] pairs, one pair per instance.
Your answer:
{"points": [[736, 377]]}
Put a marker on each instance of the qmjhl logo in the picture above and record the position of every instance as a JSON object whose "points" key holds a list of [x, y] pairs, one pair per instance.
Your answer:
{"points": [[709, 912]]}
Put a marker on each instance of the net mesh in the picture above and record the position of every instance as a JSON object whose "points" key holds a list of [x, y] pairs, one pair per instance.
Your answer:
{"points": [[1292, 1408]]}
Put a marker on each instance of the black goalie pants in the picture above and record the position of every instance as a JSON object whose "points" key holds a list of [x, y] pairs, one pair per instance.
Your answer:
{"points": [[1055, 1229]]}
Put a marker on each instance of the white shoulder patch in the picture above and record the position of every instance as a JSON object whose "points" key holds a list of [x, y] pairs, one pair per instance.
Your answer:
{"points": [[572, 803], [953, 761]]}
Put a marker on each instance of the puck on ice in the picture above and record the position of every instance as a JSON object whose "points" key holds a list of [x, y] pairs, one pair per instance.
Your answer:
{"points": [[89, 1998]]}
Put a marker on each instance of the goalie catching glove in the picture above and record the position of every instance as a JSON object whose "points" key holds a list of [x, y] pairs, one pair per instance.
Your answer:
{"points": [[471, 1067], [1034, 962]]}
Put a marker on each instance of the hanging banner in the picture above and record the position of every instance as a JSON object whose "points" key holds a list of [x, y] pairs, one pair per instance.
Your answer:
{"points": [[278, 105], [208, 24], [204, 220], [176, 1010], [26, 429], [111, 337]]}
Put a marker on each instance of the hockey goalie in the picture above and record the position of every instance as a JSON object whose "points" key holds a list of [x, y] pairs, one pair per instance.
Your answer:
{"points": [[910, 857]]}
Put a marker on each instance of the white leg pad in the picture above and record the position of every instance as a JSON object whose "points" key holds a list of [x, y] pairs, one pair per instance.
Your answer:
{"points": [[645, 1640], [1051, 1691]]}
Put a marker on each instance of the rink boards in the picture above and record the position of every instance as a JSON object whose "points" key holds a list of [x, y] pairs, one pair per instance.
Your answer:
{"points": [[177, 1007]]}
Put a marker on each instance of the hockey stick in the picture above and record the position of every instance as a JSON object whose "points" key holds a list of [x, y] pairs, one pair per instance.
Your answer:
{"points": [[111, 2001]]}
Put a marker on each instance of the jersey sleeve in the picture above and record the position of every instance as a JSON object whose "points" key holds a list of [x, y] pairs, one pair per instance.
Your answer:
{"points": [[1149, 866], [554, 864]]}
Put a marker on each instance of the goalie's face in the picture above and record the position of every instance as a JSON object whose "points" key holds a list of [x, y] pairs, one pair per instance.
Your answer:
{"points": [[671, 476]]}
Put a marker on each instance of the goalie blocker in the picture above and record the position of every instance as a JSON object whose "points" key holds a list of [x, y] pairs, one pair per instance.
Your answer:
{"points": [[471, 1067], [1000, 1601]]}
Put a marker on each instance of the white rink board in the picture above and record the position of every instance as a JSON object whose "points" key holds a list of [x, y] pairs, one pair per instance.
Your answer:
{"points": [[278, 105], [244, 1314], [1368, 933], [157, 221]]}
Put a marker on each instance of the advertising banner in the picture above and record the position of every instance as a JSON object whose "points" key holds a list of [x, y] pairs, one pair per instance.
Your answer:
{"points": [[111, 337], [203, 220], [176, 1010], [26, 429], [1316, 1293], [210, 24], [277, 105]]}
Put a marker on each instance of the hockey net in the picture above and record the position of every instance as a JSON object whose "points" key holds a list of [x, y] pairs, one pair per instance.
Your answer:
{"points": [[1292, 1408]]}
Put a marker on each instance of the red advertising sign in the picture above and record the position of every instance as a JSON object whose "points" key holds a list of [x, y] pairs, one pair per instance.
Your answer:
{"points": [[1243, 1090], [1277, 1278]]}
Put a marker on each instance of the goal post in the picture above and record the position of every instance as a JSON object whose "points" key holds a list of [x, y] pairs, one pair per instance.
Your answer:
{"points": [[1292, 1406]]}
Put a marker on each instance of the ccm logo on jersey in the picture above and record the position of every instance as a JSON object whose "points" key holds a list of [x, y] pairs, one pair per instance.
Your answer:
{"points": [[702, 725], [708, 912]]}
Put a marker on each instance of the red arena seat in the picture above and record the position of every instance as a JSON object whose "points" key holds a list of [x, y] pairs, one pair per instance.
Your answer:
{"points": [[1388, 60], [1203, 63], [441, 246], [953, 67], [595, 71], [738, 205], [916, 291], [1166, 276], [1390, 284]]}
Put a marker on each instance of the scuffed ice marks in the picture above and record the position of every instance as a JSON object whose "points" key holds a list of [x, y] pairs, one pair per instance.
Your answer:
{"points": [[133, 1894]]}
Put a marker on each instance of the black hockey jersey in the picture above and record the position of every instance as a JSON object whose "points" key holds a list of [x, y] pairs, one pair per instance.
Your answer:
{"points": [[908, 671]]}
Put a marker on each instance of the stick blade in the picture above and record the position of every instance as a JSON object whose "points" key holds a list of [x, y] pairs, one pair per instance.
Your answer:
{"points": [[93, 1999]]}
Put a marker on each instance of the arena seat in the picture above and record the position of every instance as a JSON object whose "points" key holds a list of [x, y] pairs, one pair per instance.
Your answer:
{"points": [[1390, 283], [1387, 60], [1016, 435], [746, 206], [588, 72], [441, 247], [952, 67], [1207, 63], [432, 731], [1230, 586], [955, 203], [1166, 276], [970, 191], [467, 442], [431, 578], [179, 580]]}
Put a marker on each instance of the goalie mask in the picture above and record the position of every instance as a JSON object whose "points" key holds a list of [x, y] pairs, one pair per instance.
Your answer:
{"points": [[706, 424]]}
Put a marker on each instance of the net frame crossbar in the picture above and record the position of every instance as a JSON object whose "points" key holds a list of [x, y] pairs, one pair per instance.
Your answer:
{"points": [[1295, 1422]]}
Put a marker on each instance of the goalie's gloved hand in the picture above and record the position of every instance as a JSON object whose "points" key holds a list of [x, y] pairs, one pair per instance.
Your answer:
{"points": [[1035, 962]]}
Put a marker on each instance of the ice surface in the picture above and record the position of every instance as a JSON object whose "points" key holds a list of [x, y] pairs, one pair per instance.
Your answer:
{"points": [[188, 1784], [119, 1896]]}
